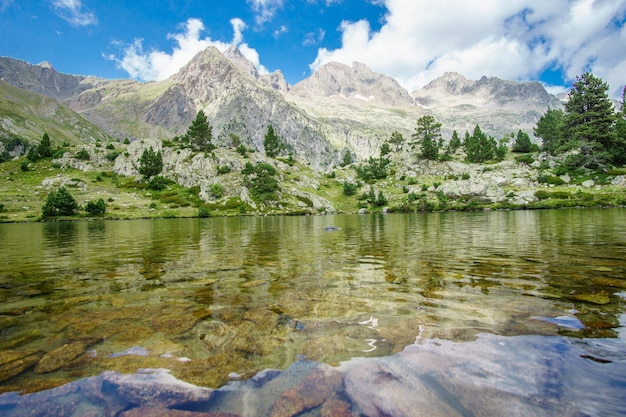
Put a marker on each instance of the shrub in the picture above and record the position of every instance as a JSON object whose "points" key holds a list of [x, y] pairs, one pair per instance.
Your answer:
{"points": [[216, 190], [83, 155], [465, 176], [96, 208], [349, 188], [203, 212], [223, 169], [59, 203], [112, 155], [549, 179], [158, 183]]}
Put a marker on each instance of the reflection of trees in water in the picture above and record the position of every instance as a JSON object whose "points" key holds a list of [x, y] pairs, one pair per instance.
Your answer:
{"points": [[60, 234]]}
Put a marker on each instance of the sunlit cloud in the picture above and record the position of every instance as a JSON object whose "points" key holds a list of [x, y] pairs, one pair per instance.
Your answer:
{"points": [[73, 12], [517, 40], [158, 65]]}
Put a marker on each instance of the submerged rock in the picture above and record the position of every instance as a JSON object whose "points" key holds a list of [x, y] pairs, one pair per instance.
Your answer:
{"points": [[155, 388], [59, 357], [13, 363], [318, 387]]}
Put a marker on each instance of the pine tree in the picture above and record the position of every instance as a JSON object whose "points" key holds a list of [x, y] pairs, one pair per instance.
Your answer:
{"points": [[59, 203], [45, 148], [150, 163], [550, 129], [397, 140], [589, 113], [478, 147], [272, 143], [200, 133], [428, 135], [523, 143]]}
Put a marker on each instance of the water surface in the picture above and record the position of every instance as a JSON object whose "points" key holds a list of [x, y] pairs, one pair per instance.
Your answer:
{"points": [[223, 298]]}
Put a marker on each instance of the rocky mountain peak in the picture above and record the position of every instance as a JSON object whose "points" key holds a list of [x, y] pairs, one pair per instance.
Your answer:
{"points": [[486, 91], [46, 65], [354, 82], [236, 57]]}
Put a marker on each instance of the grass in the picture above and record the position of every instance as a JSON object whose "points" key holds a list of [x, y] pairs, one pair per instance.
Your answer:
{"points": [[22, 194]]}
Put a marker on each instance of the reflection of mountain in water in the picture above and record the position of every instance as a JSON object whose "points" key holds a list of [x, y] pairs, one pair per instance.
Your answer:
{"points": [[493, 376]]}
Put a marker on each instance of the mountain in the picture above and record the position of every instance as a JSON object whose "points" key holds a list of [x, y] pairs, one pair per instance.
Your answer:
{"points": [[498, 106], [355, 82], [337, 108], [29, 115], [41, 78]]}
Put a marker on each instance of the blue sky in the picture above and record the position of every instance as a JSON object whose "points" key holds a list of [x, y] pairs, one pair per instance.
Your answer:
{"points": [[414, 41]]}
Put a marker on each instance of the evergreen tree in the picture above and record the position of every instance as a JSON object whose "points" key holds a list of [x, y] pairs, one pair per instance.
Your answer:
{"points": [[59, 203], [523, 144], [385, 149], [45, 148], [397, 140], [272, 143], [589, 113], [478, 147], [150, 163], [618, 151], [428, 135], [550, 129], [200, 133], [455, 142], [347, 158], [96, 208]]}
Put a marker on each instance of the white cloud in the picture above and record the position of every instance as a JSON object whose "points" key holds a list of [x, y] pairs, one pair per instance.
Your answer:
{"points": [[72, 11], [264, 9], [280, 31], [313, 38], [517, 39], [159, 65]]}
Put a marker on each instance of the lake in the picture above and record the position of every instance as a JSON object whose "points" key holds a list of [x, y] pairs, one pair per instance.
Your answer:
{"points": [[484, 313]]}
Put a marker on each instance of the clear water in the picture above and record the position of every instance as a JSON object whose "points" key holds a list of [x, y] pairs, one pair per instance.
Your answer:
{"points": [[240, 295]]}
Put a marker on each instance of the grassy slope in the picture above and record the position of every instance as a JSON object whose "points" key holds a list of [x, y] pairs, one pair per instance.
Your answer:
{"points": [[30, 115]]}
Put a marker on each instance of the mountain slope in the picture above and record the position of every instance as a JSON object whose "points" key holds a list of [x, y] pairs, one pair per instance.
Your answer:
{"points": [[41, 78], [29, 115]]}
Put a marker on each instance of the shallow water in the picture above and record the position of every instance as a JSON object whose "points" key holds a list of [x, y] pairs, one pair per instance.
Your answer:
{"points": [[216, 299]]}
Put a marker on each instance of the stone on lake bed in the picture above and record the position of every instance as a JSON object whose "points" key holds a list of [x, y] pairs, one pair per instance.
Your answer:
{"points": [[600, 298], [59, 357], [255, 283], [563, 321], [156, 387], [13, 363]]}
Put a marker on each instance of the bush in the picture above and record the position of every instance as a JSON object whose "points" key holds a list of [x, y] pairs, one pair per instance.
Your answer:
{"points": [[223, 169], [83, 155], [549, 179], [203, 212], [216, 190], [96, 208], [158, 183], [59, 203], [349, 188], [112, 155]]}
